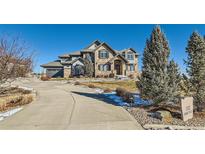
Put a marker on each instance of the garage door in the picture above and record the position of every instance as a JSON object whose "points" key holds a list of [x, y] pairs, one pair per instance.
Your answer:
{"points": [[54, 72]]}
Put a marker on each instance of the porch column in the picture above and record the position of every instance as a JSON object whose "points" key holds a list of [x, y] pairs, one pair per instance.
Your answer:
{"points": [[123, 69]]}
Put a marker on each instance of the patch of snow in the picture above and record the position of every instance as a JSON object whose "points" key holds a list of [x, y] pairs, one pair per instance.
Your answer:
{"points": [[1, 118], [121, 77], [140, 101], [119, 101], [25, 88], [99, 91], [9, 113]]}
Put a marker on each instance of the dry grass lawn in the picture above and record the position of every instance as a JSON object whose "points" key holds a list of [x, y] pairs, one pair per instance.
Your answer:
{"points": [[129, 85], [15, 97]]}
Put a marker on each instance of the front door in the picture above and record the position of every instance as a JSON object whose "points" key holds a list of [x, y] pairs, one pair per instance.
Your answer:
{"points": [[118, 67]]}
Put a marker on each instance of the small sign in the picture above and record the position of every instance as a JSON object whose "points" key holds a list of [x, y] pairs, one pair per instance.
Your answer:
{"points": [[187, 108]]}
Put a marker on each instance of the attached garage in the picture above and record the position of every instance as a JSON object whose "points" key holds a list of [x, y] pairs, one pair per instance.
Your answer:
{"points": [[54, 72], [53, 69]]}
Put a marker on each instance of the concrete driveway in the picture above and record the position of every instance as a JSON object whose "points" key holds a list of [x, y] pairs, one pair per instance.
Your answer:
{"points": [[61, 106]]}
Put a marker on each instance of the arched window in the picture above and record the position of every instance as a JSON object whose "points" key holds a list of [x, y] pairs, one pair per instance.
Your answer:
{"points": [[103, 54], [104, 67]]}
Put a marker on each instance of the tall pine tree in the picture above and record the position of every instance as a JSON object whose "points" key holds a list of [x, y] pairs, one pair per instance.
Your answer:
{"points": [[160, 79], [154, 80], [174, 81], [196, 68]]}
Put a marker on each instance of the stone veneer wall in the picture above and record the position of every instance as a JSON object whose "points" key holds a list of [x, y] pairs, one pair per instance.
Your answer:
{"points": [[135, 73], [99, 61], [67, 71]]}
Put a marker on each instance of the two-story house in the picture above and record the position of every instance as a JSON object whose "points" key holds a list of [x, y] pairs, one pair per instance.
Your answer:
{"points": [[106, 62]]}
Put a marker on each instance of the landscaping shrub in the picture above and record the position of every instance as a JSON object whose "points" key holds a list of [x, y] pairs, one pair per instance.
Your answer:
{"points": [[27, 99], [18, 100], [77, 83], [15, 100], [91, 86], [112, 75], [107, 90], [128, 97], [131, 76], [45, 78], [120, 91], [106, 76], [99, 76]]}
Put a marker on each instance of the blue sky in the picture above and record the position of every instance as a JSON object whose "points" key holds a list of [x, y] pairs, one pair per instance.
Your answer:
{"points": [[49, 41]]}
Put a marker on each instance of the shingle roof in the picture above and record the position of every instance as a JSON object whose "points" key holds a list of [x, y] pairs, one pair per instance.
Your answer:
{"points": [[78, 53], [53, 64], [74, 53], [64, 56]]}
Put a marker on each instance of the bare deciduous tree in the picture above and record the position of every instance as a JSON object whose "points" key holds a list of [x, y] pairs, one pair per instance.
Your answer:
{"points": [[16, 60]]}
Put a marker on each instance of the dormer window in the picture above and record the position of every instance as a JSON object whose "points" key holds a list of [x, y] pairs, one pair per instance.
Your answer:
{"points": [[130, 56], [103, 54]]}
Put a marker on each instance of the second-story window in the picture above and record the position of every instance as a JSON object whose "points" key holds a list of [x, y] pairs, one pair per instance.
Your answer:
{"points": [[130, 56], [103, 54]]}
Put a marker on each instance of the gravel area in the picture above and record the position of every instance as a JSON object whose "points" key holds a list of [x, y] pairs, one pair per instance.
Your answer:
{"points": [[141, 115]]}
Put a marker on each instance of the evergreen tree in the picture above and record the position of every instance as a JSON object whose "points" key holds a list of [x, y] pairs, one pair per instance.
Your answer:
{"points": [[174, 81], [196, 68], [185, 86], [154, 81]]}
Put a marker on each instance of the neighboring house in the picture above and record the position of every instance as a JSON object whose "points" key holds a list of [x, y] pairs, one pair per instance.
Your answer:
{"points": [[106, 61]]}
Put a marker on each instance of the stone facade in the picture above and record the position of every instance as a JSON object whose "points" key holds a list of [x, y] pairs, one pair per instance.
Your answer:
{"points": [[67, 71], [107, 64], [135, 72]]}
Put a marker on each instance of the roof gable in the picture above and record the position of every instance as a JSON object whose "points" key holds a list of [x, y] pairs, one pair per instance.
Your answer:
{"points": [[105, 45], [129, 49], [93, 45], [77, 59], [119, 56]]}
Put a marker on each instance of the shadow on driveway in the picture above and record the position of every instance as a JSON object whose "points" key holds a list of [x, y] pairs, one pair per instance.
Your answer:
{"points": [[100, 97]]}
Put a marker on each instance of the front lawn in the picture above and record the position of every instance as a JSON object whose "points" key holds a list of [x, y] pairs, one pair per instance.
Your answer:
{"points": [[129, 85]]}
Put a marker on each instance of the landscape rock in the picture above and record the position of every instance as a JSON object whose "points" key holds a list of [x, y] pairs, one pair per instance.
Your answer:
{"points": [[164, 116]]}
